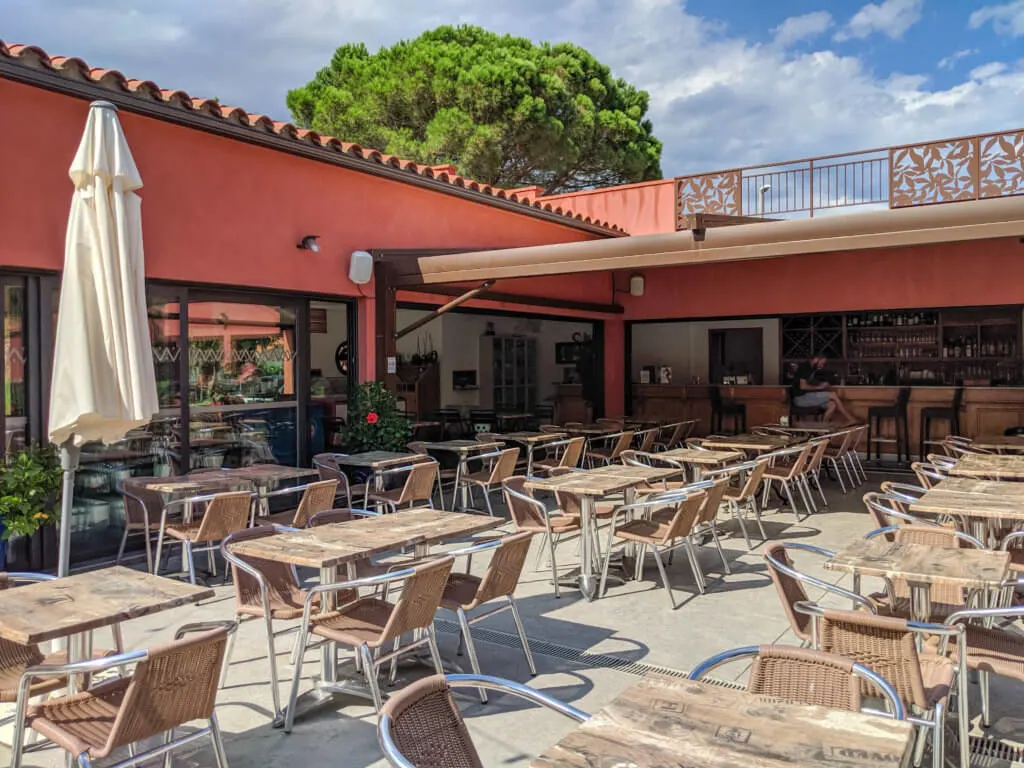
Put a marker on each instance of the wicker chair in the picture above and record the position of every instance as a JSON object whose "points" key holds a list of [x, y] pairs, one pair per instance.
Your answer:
{"points": [[171, 685], [420, 726], [416, 491], [789, 583], [531, 516], [646, 440], [680, 432], [226, 513], [671, 518], [569, 453], [889, 646], [610, 454], [812, 471], [886, 512], [707, 520], [327, 465], [839, 455], [787, 469], [267, 590], [368, 625], [743, 496], [502, 467], [138, 520], [316, 497], [806, 676], [928, 474], [466, 592]]}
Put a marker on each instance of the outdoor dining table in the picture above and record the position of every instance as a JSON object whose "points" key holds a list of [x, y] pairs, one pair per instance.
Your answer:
{"points": [[376, 462], [531, 441], [662, 722], [464, 450], [328, 548], [589, 485], [160, 491], [920, 566], [999, 443], [513, 420], [266, 476], [989, 465], [976, 501], [801, 429], [699, 459], [751, 442]]}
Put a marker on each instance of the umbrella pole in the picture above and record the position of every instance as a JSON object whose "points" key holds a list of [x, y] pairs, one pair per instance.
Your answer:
{"points": [[68, 463]]}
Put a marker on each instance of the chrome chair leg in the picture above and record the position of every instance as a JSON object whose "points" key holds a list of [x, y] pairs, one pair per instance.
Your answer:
{"points": [[474, 663], [370, 672], [664, 576], [522, 634], [219, 753]]}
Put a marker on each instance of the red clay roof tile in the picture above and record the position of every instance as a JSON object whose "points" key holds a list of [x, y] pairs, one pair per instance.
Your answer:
{"points": [[76, 69]]}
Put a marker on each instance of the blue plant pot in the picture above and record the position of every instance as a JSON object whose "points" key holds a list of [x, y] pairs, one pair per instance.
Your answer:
{"points": [[3, 547]]}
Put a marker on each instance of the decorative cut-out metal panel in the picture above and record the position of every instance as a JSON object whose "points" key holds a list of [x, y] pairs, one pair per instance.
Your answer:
{"points": [[1001, 161], [939, 172], [709, 193]]}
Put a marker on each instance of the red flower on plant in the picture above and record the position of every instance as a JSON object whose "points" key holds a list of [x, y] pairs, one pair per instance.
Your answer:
{"points": [[371, 418]]}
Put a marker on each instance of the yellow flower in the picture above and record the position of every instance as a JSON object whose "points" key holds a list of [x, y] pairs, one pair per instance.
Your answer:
{"points": [[40, 516]]}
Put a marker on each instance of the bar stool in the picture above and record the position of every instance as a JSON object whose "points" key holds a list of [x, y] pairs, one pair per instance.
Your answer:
{"points": [[814, 412], [897, 412], [940, 413], [720, 408]]}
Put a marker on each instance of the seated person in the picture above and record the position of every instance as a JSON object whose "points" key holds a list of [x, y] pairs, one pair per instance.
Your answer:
{"points": [[811, 390]]}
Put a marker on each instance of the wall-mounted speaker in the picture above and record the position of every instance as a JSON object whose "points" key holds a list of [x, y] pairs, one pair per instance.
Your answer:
{"points": [[360, 267]]}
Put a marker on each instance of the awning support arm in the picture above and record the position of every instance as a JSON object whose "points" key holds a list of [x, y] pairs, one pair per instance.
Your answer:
{"points": [[471, 294]]}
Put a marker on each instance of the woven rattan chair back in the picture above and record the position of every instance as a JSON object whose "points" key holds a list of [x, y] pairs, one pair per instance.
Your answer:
{"points": [[419, 601], [318, 497], [502, 575], [931, 536], [805, 676], [678, 434], [790, 590], [883, 644], [713, 500], [817, 455], [427, 728], [151, 502], [754, 477], [685, 518], [623, 442], [573, 452], [799, 463], [504, 466], [279, 577], [419, 483], [327, 465], [175, 684], [647, 440], [525, 515], [549, 429], [418, 447], [226, 513], [877, 504], [329, 517]]}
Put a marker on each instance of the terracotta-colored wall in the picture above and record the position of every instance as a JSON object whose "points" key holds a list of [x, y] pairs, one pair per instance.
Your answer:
{"points": [[225, 212], [640, 209], [985, 272]]}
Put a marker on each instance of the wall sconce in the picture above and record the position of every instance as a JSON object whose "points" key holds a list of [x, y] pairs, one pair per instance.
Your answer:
{"points": [[636, 285], [309, 243]]}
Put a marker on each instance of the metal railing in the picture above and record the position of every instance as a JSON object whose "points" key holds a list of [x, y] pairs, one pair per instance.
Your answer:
{"points": [[965, 168]]}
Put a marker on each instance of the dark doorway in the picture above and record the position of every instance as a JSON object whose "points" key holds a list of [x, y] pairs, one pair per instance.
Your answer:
{"points": [[735, 353]]}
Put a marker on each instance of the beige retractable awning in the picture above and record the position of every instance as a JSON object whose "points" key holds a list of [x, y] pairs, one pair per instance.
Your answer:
{"points": [[920, 225]]}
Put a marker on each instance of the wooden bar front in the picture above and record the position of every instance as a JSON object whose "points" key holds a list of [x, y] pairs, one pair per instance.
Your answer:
{"points": [[986, 410]]}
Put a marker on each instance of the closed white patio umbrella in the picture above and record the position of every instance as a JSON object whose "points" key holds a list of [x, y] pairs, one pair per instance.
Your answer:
{"points": [[103, 379]]}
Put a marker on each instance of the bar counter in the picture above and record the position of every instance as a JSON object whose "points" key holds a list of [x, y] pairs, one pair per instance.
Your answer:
{"points": [[986, 410]]}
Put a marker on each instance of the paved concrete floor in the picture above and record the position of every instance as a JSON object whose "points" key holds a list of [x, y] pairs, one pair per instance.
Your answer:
{"points": [[632, 622]]}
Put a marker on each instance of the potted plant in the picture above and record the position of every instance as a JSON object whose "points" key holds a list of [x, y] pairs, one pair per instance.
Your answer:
{"points": [[30, 485], [375, 422]]}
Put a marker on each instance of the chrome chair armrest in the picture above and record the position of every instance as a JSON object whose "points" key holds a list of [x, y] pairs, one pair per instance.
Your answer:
{"points": [[204, 626]]}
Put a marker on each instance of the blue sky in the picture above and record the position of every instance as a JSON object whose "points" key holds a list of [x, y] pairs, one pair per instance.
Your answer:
{"points": [[732, 82]]}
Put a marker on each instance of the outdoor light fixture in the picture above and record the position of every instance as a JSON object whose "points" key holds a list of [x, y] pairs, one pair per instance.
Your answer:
{"points": [[309, 243], [636, 285]]}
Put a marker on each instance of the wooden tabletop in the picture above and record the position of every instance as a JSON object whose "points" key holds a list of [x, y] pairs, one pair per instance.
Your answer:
{"points": [[810, 429], [697, 456], [921, 564], [533, 437], [968, 497], [328, 546], [592, 429], [999, 442], [513, 416], [47, 610], [998, 467], [191, 485], [601, 481], [465, 446], [751, 442], [379, 459], [265, 473], [663, 723]]}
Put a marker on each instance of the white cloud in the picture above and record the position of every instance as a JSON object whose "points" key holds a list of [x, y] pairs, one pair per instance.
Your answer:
{"points": [[797, 28], [948, 62], [717, 100], [890, 17], [985, 71], [1007, 19]]}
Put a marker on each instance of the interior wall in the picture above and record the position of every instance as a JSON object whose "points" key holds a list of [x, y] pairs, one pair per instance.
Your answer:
{"points": [[684, 347], [456, 338], [322, 346]]}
